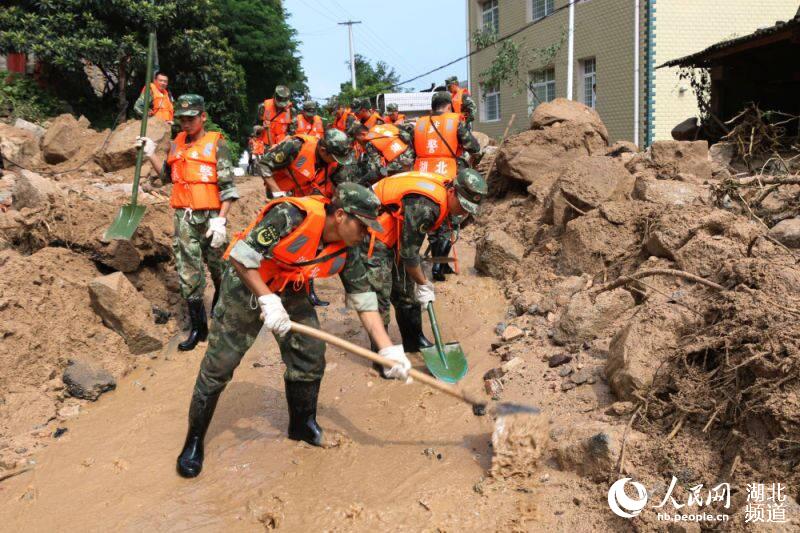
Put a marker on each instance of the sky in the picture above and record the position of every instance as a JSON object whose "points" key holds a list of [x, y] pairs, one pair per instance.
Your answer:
{"points": [[413, 36]]}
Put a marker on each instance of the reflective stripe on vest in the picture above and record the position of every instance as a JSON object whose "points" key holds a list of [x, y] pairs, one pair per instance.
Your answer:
{"points": [[302, 177], [310, 127], [386, 139], [193, 169], [433, 154], [391, 191], [297, 257], [162, 105], [276, 124]]}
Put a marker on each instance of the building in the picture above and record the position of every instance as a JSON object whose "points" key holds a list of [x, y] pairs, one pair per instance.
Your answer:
{"points": [[608, 35]]}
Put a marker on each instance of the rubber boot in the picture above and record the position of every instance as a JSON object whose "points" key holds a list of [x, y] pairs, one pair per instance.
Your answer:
{"points": [[312, 296], [442, 250], [409, 321], [301, 396], [199, 331], [190, 461]]}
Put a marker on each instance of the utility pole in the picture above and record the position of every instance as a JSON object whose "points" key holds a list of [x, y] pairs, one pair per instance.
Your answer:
{"points": [[349, 25]]}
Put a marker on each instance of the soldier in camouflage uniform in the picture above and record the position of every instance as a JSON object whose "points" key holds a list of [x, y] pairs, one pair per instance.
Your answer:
{"points": [[276, 114], [372, 164], [406, 287], [201, 206], [251, 298], [462, 101]]}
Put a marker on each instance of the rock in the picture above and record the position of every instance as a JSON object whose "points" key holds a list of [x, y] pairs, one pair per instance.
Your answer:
{"points": [[35, 129], [511, 364], [120, 153], [592, 449], [561, 110], [559, 359], [675, 157], [640, 347], [18, 146], [126, 311], [584, 320], [704, 254], [483, 139], [567, 385], [512, 333], [122, 255], [565, 371], [493, 387], [497, 254], [622, 147], [787, 232], [32, 190], [580, 377], [722, 153], [500, 328], [62, 139], [561, 293], [591, 243], [668, 192], [87, 380], [686, 130], [620, 408]]}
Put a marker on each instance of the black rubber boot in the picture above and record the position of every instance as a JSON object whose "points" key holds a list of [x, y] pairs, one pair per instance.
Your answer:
{"points": [[301, 396], [312, 295], [409, 321], [199, 331], [190, 461], [442, 250]]}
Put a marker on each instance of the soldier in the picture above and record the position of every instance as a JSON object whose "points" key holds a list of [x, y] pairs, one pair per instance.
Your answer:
{"points": [[201, 171], [385, 150], [343, 118], [462, 101], [256, 148], [161, 104], [308, 122], [440, 141], [275, 114], [267, 276], [414, 204], [393, 116], [365, 114]]}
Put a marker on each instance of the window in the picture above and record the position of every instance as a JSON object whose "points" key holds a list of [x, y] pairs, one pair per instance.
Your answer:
{"points": [[589, 75], [490, 20], [542, 87], [542, 8], [491, 104]]}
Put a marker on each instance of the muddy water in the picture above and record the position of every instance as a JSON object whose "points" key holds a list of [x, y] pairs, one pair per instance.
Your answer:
{"points": [[407, 458]]}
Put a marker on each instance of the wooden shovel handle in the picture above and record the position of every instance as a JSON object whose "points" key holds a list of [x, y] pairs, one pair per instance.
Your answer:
{"points": [[388, 363]]}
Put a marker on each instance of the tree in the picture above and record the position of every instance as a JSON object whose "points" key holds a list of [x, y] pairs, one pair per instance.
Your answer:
{"points": [[370, 81]]}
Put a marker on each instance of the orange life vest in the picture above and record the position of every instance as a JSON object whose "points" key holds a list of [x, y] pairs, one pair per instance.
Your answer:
{"points": [[433, 154], [458, 99], [276, 123], [372, 120], [313, 127], [297, 257], [341, 118], [391, 191], [194, 172], [399, 119], [256, 146], [386, 139], [302, 177], [161, 105]]}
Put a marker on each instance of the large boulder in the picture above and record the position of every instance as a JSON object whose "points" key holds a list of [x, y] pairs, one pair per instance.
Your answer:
{"points": [[586, 320], [87, 380], [537, 157], [126, 311], [63, 139], [483, 139], [497, 254], [682, 157], [592, 243], [787, 232], [18, 146], [668, 192], [639, 348], [120, 153], [32, 190], [35, 129], [562, 110], [686, 130]]}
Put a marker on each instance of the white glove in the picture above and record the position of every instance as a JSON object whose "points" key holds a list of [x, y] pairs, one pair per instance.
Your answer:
{"points": [[275, 316], [217, 231], [148, 143], [400, 370], [424, 293], [279, 194]]}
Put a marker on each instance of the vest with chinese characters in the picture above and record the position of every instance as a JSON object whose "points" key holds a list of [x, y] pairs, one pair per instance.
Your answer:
{"points": [[436, 144], [193, 169]]}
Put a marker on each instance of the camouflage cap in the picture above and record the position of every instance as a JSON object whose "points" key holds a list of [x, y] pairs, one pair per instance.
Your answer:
{"points": [[362, 103], [337, 144], [391, 108], [451, 79], [355, 128], [189, 105], [310, 106], [442, 97], [470, 188], [360, 202], [282, 94]]}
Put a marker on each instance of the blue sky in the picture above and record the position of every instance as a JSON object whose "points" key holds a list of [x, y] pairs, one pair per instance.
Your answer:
{"points": [[414, 36]]}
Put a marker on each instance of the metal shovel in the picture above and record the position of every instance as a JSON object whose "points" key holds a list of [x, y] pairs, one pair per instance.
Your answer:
{"points": [[130, 215], [446, 362]]}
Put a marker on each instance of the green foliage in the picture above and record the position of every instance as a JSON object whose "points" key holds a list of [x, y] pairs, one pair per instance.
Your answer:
{"points": [[484, 38], [24, 99], [234, 146], [370, 80]]}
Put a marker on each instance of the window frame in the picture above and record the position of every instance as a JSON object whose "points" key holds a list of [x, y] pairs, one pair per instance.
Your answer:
{"points": [[548, 8], [548, 84], [494, 13], [485, 95], [585, 78]]}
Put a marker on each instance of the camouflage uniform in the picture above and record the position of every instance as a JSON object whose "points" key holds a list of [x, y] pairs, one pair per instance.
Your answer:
{"points": [[283, 154], [468, 106], [372, 166]]}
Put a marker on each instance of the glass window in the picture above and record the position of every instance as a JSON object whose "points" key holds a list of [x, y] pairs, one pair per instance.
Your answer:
{"points": [[491, 17], [491, 104], [589, 69], [542, 87], [542, 8]]}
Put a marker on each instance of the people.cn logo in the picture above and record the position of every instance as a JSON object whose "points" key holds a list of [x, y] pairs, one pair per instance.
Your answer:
{"points": [[623, 505]]}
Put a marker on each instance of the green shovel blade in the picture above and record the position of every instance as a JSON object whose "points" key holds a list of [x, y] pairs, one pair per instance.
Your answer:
{"points": [[124, 226], [449, 366]]}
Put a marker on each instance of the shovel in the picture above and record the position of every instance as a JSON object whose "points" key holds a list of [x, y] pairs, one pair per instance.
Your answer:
{"points": [[130, 215], [478, 407], [445, 361]]}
